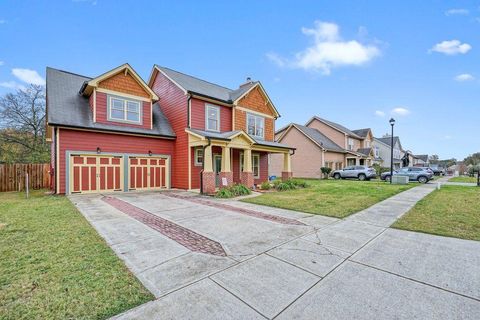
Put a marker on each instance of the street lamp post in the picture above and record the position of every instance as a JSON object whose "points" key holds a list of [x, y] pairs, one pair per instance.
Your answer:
{"points": [[392, 123]]}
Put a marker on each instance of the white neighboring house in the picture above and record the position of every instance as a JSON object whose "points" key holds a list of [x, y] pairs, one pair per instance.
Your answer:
{"points": [[382, 149]]}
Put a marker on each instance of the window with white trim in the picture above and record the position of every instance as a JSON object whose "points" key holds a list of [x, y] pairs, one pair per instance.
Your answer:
{"points": [[350, 144], [256, 165], [377, 152], [367, 144], [212, 118], [199, 156], [255, 125], [124, 110]]}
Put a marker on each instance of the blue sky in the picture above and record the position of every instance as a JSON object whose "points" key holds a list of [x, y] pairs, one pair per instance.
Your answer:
{"points": [[354, 62]]}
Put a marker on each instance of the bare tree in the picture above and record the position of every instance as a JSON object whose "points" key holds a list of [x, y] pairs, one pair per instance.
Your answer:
{"points": [[22, 122]]}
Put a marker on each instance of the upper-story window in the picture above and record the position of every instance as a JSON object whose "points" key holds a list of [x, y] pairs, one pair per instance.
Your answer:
{"points": [[377, 152], [124, 110], [255, 125], [350, 144], [367, 143], [212, 118]]}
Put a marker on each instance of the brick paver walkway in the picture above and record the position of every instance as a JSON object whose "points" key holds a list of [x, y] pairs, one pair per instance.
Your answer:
{"points": [[248, 212], [183, 236]]}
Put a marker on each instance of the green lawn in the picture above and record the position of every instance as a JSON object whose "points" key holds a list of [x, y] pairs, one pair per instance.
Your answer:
{"points": [[463, 179], [53, 265], [335, 198], [452, 211]]}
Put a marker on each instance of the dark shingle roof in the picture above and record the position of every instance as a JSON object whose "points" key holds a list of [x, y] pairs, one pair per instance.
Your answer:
{"points": [[319, 138], [66, 107], [361, 132], [365, 151], [423, 157], [339, 127], [206, 88], [387, 140], [228, 134]]}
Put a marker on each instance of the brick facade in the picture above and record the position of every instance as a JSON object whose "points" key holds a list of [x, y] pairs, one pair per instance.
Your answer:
{"points": [[208, 181], [286, 175], [228, 176], [246, 178]]}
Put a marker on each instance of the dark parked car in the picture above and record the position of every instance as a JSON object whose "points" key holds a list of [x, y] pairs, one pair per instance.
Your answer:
{"points": [[422, 175], [437, 170], [355, 172]]}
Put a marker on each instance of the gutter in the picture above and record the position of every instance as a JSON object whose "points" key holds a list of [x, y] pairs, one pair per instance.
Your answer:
{"points": [[93, 129], [203, 165]]}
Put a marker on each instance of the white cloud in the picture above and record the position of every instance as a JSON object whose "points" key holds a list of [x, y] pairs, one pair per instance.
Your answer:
{"points": [[12, 85], [464, 77], [380, 113], [462, 12], [28, 76], [2, 63], [451, 47], [399, 111], [328, 51], [3, 21]]}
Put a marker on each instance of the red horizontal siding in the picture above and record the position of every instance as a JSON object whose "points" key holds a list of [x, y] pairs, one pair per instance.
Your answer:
{"points": [[173, 103], [73, 140], [102, 116], [198, 115], [263, 168]]}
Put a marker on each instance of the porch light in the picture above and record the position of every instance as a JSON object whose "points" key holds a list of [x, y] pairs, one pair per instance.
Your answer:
{"points": [[99, 150], [150, 153]]}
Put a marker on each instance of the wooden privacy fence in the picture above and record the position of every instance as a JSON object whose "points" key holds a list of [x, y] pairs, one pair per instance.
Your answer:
{"points": [[12, 176]]}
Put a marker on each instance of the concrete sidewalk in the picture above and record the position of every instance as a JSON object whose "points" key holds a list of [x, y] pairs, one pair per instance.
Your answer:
{"points": [[327, 268]]}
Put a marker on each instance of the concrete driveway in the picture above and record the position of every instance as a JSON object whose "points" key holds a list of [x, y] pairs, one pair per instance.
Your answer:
{"points": [[209, 259]]}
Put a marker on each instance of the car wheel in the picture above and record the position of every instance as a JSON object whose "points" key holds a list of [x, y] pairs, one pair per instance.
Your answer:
{"points": [[388, 178], [422, 179], [336, 176], [362, 177]]}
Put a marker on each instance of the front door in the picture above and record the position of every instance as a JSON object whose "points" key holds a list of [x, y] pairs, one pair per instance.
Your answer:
{"points": [[217, 168]]}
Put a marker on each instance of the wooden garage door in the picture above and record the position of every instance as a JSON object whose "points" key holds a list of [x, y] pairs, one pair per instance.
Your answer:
{"points": [[147, 173], [92, 173]]}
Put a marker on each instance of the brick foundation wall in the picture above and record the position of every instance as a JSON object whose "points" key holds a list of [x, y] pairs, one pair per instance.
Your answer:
{"points": [[246, 178], [208, 181], [286, 175]]}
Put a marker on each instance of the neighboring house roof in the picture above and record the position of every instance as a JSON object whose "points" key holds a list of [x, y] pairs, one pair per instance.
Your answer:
{"points": [[336, 126], [67, 107], [423, 157], [365, 151], [388, 140], [228, 135], [361, 132], [318, 138], [207, 89]]}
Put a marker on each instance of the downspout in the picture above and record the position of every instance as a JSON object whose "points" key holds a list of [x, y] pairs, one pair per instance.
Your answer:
{"points": [[203, 165], [188, 110]]}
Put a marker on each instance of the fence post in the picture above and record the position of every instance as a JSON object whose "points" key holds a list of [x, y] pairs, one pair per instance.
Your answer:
{"points": [[26, 184]]}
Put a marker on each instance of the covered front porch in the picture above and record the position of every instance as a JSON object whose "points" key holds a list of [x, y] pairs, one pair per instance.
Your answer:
{"points": [[222, 159]]}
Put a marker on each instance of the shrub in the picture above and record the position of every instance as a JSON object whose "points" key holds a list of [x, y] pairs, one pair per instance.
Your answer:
{"points": [[284, 186], [240, 190], [300, 183], [326, 171], [224, 193], [265, 185], [233, 191], [276, 182]]}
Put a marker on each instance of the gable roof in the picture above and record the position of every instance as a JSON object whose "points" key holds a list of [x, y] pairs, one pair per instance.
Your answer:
{"points": [[67, 107], [207, 89], [317, 137], [87, 86], [388, 140], [335, 125], [423, 157], [229, 135], [362, 132]]}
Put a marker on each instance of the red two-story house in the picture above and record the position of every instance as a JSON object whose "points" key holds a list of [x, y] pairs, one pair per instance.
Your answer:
{"points": [[115, 132]]}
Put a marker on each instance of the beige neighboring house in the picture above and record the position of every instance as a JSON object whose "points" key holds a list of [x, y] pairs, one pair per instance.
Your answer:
{"points": [[322, 143]]}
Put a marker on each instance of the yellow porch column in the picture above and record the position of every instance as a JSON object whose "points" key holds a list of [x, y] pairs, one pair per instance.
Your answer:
{"points": [[226, 159], [207, 159], [287, 163], [247, 160]]}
